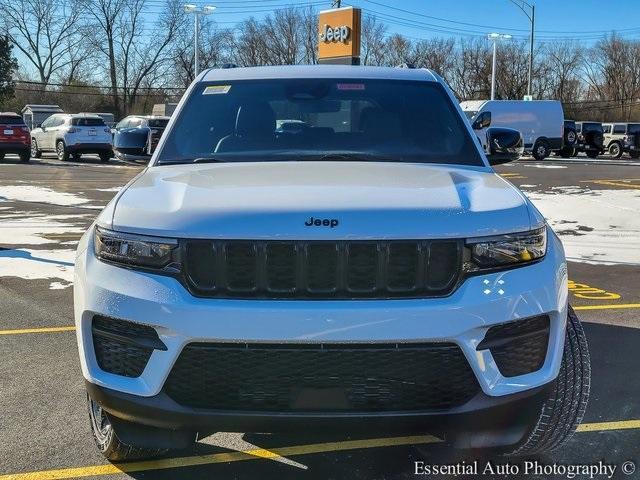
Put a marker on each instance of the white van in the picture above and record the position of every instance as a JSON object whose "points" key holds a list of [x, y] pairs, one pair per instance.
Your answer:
{"points": [[541, 122]]}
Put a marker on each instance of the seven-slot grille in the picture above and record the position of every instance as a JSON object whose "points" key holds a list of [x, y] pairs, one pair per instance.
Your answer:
{"points": [[322, 269]]}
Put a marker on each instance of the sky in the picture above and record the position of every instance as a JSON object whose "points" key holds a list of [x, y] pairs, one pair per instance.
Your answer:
{"points": [[583, 20]]}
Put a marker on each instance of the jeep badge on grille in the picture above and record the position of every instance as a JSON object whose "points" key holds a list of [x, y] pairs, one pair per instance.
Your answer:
{"points": [[321, 222]]}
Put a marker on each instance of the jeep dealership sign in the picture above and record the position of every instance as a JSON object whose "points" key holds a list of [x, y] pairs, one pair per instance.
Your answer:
{"points": [[339, 35]]}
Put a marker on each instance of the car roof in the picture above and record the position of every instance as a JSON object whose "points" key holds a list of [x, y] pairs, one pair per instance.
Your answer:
{"points": [[9, 114], [317, 71]]}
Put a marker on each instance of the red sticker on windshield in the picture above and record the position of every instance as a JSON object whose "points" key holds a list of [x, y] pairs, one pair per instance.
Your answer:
{"points": [[350, 86]]}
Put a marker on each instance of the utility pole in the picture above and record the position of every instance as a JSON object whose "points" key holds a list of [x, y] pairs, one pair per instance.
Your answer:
{"points": [[495, 37], [531, 15], [197, 11]]}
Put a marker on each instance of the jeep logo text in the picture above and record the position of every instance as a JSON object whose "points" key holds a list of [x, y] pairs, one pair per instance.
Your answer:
{"points": [[335, 34], [321, 222]]}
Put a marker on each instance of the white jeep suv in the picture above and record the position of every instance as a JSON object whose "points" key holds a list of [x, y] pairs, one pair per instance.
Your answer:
{"points": [[367, 272], [71, 135]]}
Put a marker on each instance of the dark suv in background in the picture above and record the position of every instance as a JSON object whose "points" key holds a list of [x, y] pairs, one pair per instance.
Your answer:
{"points": [[569, 138], [590, 139], [14, 136]]}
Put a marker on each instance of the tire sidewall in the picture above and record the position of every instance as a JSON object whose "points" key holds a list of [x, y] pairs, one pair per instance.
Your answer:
{"points": [[615, 150], [540, 150], [64, 156]]}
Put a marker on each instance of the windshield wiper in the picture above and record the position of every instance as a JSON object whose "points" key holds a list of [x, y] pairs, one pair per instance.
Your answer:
{"points": [[353, 157], [208, 160]]}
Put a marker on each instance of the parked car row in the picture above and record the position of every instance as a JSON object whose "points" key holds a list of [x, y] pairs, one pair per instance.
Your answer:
{"points": [[70, 136]]}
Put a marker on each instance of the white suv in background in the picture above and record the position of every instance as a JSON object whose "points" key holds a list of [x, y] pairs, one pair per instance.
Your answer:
{"points": [[71, 135]]}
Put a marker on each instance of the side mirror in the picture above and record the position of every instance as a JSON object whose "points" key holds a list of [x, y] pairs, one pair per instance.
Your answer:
{"points": [[504, 145], [482, 121]]}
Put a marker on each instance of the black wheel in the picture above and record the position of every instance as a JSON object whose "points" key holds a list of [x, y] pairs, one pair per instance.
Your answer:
{"points": [[61, 151], [25, 156], [615, 150], [574, 152], [634, 154], [541, 150], [563, 410], [76, 157], [107, 440], [35, 152], [105, 157], [593, 153]]}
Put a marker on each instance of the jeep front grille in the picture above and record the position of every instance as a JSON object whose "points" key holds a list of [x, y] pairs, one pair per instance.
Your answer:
{"points": [[322, 269], [353, 377]]}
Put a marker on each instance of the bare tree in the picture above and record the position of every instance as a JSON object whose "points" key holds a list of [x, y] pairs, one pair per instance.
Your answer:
{"points": [[372, 41], [565, 61], [44, 31], [438, 54], [119, 35]]}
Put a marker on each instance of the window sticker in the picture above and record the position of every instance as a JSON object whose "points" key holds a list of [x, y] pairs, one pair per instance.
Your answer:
{"points": [[216, 90], [350, 86]]}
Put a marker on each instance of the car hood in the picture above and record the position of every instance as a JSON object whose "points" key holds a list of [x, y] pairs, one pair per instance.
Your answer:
{"points": [[271, 200]]}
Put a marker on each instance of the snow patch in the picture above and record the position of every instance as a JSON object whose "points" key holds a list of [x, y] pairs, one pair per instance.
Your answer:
{"points": [[112, 189], [38, 264], [595, 226], [31, 193], [17, 229], [59, 285]]}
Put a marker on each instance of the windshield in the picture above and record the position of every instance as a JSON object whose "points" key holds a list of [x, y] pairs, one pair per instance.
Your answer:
{"points": [[319, 119], [158, 122], [11, 120], [633, 128], [591, 127], [88, 122]]}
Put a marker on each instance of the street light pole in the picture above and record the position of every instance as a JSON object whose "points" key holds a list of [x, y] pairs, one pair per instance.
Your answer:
{"points": [[531, 15], [495, 37], [206, 10]]}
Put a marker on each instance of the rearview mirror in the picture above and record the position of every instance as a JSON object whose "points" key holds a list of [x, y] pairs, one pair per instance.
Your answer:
{"points": [[504, 145]]}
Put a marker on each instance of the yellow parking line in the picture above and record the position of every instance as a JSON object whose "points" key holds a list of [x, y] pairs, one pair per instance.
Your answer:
{"points": [[605, 426], [622, 182], [606, 307], [314, 448], [37, 330], [191, 461]]}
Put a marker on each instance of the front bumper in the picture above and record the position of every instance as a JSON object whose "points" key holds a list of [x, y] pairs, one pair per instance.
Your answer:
{"points": [[482, 422], [179, 318]]}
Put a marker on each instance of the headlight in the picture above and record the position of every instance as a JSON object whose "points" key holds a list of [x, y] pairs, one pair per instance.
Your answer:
{"points": [[505, 250], [136, 250]]}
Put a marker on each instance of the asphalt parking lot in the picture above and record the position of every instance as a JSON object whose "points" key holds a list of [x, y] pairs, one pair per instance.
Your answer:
{"points": [[44, 431]]}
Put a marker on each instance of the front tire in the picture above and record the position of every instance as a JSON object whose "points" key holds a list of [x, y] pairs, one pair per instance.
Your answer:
{"points": [[105, 157], [61, 151], [107, 440], [541, 150], [25, 156], [593, 153], [563, 410], [634, 154]]}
